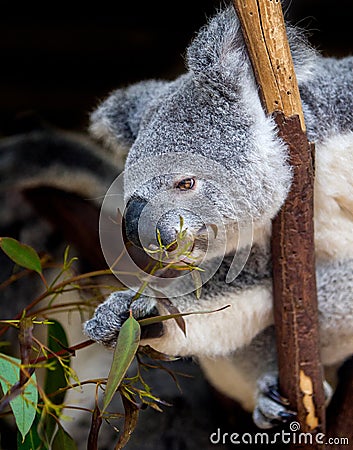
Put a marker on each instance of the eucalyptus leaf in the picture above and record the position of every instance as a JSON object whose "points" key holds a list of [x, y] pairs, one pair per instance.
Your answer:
{"points": [[23, 406], [125, 349], [21, 254], [63, 441], [55, 376], [32, 440]]}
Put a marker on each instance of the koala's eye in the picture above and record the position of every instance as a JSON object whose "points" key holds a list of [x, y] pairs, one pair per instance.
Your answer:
{"points": [[186, 184]]}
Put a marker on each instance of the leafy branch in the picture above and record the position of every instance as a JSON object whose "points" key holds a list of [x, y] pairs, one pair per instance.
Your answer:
{"points": [[38, 410]]}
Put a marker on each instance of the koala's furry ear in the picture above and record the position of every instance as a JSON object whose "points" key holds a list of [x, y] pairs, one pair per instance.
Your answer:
{"points": [[219, 53], [117, 120]]}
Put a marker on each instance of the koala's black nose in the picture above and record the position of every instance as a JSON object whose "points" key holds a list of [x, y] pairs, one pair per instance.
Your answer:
{"points": [[167, 232], [132, 216]]}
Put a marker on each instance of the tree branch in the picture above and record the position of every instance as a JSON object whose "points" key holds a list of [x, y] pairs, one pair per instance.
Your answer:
{"points": [[294, 282]]}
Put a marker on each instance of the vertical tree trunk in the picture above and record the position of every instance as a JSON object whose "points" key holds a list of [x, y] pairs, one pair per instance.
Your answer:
{"points": [[295, 300]]}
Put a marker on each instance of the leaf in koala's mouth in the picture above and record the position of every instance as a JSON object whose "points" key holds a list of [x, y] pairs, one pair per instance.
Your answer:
{"points": [[173, 253]]}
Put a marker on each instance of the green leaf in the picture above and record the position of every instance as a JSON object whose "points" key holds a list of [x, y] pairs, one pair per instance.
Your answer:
{"points": [[55, 376], [126, 347], [24, 405], [32, 440], [21, 254], [159, 238], [63, 441]]}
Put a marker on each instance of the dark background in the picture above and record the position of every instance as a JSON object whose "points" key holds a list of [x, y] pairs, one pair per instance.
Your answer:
{"points": [[59, 58]]}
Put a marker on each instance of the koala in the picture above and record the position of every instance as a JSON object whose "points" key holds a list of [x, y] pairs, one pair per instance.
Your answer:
{"points": [[201, 148]]}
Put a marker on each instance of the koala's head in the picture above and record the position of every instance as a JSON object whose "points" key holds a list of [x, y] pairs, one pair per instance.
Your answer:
{"points": [[199, 147]]}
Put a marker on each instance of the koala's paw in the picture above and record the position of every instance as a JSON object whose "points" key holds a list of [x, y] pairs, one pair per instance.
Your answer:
{"points": [[271, 408], [110, 315]]}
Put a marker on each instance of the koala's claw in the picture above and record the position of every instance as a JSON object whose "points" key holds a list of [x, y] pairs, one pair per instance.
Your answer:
{"points": [[276, 396], [271, 408], [287, 415], [109, 316]]}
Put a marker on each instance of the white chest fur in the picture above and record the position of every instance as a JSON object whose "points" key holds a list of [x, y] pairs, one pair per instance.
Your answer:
{"points": [[334, 198], [333, 201]]}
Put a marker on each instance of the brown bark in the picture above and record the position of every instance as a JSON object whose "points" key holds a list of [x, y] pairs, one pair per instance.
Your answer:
{"points": [[295, 302], [295, 305], [265, 36]]}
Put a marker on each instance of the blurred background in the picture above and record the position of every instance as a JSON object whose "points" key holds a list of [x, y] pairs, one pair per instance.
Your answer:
{"points": [[59, 58]]}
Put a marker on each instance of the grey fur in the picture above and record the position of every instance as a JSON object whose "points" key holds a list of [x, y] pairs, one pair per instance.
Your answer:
{"points": [[110, 123], [110, 315], [327, 95], [209, 124]]}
